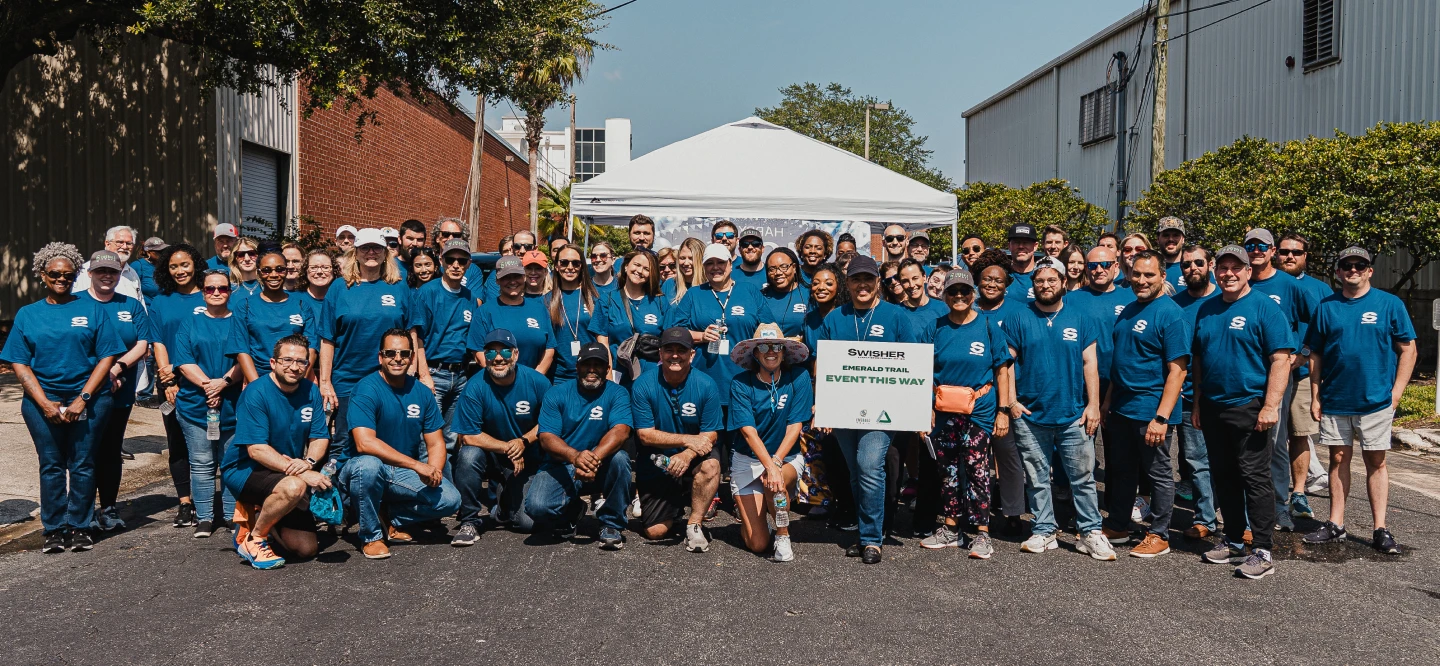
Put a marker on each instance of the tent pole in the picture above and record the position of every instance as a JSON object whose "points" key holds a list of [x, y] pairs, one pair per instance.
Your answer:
{"points": [[587, 236], [955, 243]]}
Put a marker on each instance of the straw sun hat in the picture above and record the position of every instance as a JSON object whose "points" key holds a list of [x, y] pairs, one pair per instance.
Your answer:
{"points": [[743, 353]]}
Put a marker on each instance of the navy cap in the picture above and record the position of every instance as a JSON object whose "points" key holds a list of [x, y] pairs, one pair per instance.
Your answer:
{"points": [[1023, 231], [593, 351], [502, 336], [862, 265], [677, 335]]}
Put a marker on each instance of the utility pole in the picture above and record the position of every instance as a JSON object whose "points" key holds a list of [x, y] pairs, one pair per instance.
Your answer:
{"points": [[1162, 69], [477, 160], [1120, 135]]}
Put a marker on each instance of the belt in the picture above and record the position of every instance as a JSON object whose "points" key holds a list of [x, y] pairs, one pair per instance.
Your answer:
{"points": [[452, 367]]}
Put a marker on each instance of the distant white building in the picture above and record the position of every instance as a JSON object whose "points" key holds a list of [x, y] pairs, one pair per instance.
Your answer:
{"points": [[597, 148]]}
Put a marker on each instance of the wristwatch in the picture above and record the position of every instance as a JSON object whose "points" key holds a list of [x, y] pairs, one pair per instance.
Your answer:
{"points": [[1161, 419], [228, 381], [312, 461], [85, 397], [123, 365]]}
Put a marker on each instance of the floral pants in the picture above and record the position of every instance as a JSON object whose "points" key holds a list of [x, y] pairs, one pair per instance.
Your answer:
{"points": [[962, 452]]}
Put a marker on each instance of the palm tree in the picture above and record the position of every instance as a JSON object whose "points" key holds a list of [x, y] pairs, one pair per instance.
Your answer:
{"points": [[554, 211], [545, 81]]}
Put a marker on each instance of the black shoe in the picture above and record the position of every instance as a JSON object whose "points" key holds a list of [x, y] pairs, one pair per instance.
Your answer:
{"points": [[185, 516], [81, 541], [204, 529], [872, 555], [54, 543], [1328, 533], [126, 455], [855, 550], [1384, 542]]}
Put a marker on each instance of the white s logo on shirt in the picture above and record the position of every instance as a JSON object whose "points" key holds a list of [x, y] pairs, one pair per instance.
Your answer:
{"points": [[597, 413], [801, 308], [652, 320], [198, 309], [522, 408], [467, 316], [1369, 318], [1276, 298], [877, 331], [1140, 326], [412, 411], [1070, 335], [1119, 309], [125, 316], [1237, 323], [530, 321], [307, 413], [977, 349], [297, 320], [737, 311], [82, 322], [387, 300], [780, 404], [687, 409]]}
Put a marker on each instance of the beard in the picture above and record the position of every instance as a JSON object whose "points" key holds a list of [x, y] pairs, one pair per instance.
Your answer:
{"points": [[1197, 281], [592, 385], [500, 373], [1051, 299]]}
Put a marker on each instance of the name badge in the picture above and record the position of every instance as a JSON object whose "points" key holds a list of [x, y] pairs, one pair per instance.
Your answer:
{"points": [[574, 347], [721, 346]]}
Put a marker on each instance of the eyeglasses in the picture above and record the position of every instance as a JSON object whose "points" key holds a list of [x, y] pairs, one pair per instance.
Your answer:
{"points": [[393, 353], [241, 254], [524, 247], [752, 244], [597, 255], [290, 362], [724, 235], [783, 268], [456, 261], [569, 263], [1348, 266], [1224, 270], [1092, 265], [1284, 252], [1196, 263], [123, 243], [973, 249], [62, 276], [318, 269], [271, 270], [212, 289], [1257, 247], [506, 353], [769, 347]]}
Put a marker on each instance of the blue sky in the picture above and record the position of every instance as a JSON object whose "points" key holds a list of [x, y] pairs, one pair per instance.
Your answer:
{"points": [[681, 67]]}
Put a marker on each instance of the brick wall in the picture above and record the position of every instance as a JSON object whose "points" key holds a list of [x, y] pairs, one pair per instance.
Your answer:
{"points": [[412, 163]]}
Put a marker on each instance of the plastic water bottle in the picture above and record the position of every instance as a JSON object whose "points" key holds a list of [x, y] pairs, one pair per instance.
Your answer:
{"points": [[661, 460], [782, 510], [212, 424], [330, 469]]}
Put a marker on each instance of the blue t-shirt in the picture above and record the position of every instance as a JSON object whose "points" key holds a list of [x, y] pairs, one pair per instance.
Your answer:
{"points": [[354, 319], [1285, 290], [1356, 339], [502, 412], [243, 291], [474, 278], [1022, 287], [968, 355], [923, 317], [146, 270], [1104, 308], [604, 289], [756, 279], [611, 321], [1006, 308], [283, 421], [1191, 307], [200, 343], [443, 318], [667, 289], [582, 419], [400, 418], [258, 324], [1147, 336], [169, 311], [1233, 344], [132, 322], [688, 409], [886, 322], [741, 310], [215, 263], [789, 309], [1049, 353], [529, 322], [574, 326], [769, 409], [72, 338], [1314, 291]]}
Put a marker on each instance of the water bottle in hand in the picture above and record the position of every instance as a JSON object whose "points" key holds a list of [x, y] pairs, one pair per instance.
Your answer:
{"points": [[661, 460], [330, 469]]}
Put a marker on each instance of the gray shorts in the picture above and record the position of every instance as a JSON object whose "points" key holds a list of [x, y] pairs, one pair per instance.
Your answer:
{"points": [[1370, 431]]}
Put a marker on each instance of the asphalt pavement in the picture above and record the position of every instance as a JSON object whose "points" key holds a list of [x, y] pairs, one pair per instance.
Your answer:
{"points": [[154, 595]]}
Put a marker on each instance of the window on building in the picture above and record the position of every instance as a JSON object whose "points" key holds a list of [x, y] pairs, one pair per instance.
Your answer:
{"points": [[1321, 39], [589, 153], [1097, 116]]}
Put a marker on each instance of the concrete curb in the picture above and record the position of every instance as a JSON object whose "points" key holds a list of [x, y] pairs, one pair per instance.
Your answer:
{"points": [[1422, 440]]}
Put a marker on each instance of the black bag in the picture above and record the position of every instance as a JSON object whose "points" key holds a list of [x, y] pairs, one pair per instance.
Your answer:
{"points": [[636, 347]]}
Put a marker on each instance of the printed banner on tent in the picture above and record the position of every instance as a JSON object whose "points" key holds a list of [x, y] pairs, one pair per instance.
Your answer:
{"points": [[873, 385], [776, 232]]}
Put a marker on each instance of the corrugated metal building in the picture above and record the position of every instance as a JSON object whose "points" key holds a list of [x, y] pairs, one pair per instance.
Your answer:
{"points": [[91, 140]]}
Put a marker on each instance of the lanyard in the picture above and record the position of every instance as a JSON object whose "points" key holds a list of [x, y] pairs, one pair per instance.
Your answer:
{"points": [[774, 386], [724, 307], [565, 314]]}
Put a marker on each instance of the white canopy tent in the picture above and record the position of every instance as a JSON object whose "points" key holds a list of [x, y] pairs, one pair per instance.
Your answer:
{"points": [[755, 169]]}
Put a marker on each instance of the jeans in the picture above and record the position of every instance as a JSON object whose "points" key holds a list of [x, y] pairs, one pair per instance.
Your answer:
{"points": [[448, 387], [1279, 440], [1038, 444], [865, 452], [1240, 469], [67, 466], [474, 466], [1195, 466], [205, 456], [553, 498], [107, 449], [1128, 459], [371, 484]]}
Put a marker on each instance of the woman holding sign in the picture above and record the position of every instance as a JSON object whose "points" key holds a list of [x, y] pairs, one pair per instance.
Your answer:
{"points": [[972, 369]]}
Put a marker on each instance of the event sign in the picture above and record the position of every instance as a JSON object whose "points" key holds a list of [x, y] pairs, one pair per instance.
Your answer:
{"points": [[874, 385]]}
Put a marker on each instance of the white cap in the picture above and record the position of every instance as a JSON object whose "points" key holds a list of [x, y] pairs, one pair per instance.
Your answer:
{"points": [[346, 227], [389, 233], [365, 237], [716, 251], [226, 229]]}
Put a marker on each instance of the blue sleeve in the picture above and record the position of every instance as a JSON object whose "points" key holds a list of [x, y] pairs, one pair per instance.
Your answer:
{"points": [[741, 413], [319, 429], [999, 347], [420, 313], [619, 406], [712, 417], [430, 413], [802, 399], [1276, 331], [144, 327], [17, 349], [255, 427], [905, 327], [362, 410], [600, 318], [550, 418], [642, 410], [326, 329], [238, 340], [764, 314], [183, 354], [681, 315], [479, 328], [1401, 330], [107, 337], [1014, 335], [1175, 338], [469, 413]]}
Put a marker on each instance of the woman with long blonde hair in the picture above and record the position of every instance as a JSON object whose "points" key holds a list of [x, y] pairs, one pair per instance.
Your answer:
{"points": [[244, 268], [687, 273]]}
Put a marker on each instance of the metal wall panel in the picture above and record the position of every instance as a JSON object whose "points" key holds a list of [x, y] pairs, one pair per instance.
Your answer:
{"points": [[1015, 139], [266, 119]]}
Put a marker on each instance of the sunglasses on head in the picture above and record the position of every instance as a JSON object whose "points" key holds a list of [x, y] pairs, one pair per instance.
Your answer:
{"points": [[752, 244], [271, 270], [64, 276], [1354, 265], [393, 353], [974, 248], [1290, 253], [769, 347], [241, 254], [492, 354], [724, 235], [1257, 247], [456, 261], [213, 289], [1092, 265]]}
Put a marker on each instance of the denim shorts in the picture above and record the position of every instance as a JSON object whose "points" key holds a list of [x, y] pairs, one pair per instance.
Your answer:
{"points": [[745, 473]]}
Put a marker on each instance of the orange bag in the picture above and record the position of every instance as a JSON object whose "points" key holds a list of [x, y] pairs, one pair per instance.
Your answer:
{"points": [[958, 399]]}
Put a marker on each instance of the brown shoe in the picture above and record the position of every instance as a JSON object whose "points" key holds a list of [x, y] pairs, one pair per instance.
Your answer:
{"points": [[1197, 532], [376, 550], [396, 535], [1249, 538], [1115, 536], [1152, 546]]}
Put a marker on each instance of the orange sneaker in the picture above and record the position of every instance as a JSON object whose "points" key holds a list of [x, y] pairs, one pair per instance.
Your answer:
{"points": [[1197, 532], [376, 550], [1152, 546], [397, 535], [257, 552], [1115, 536]]}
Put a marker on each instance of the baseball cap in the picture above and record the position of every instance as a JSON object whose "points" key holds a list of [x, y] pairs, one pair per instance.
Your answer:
{"points": [[1171, 222], [677, 335], [389, 232], [1048, 261], [508, 266], [226, 229], [752, 231], [862, 265], [920, 239], [534, 257], [1233, 251], [368, 236], [1022, 231], [502, 336], [593, 351], [1258, 234], [715, 251], [454, 245], [106, 259], [1353, 251], [154, 244], [959, 276], [346, 227]]}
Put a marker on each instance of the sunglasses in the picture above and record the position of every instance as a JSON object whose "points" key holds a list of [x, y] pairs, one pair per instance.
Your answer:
{"points": [[724, 235], [524, 247], [1131, 249], [596, 255], [392, 243], [890, 279], [271, 270], [62, 276], [1196, 263], [974, 249], [1290, 253], [1092, 265], [450, 234], [241, 254], [845, 253], [393, 353], [769, 347], [456, 261], [212, 289], [506, 353], [290, 362], [958, 290], [664, 265], [751, 244], [894, 239], [1257, 247], [1354, 266], [569, 263]]}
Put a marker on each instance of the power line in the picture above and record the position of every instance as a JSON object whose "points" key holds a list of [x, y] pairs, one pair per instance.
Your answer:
{"points": [[1198, 29], [1196, 9], [628, 2]]}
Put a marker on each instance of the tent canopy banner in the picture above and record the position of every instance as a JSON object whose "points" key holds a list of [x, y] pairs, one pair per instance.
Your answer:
{"points": [[776, 232]]}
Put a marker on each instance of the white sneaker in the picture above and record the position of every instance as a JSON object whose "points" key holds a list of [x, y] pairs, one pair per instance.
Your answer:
{"points": [[1039, 543], [695, 540], [634, 511], [1318, 485], [1141, 511], [1096, 545], [783, 551]]}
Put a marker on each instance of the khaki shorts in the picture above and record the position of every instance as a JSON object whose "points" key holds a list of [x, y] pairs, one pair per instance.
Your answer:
{"points": [[1300, 422], [1371, 431]]}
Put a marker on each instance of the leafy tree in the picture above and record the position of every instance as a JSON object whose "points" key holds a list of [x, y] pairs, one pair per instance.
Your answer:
{"points": [[1220, 194], [988, 209]]}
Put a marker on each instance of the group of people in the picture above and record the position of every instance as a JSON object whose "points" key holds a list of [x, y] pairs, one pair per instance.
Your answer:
{"points": [[668, 384]]}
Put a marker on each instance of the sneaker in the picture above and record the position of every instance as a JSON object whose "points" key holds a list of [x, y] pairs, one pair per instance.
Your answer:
{"points": [[1185, 490], [126, 455], [1098, 547], [1328, 533], [1039, 543], [599, 502], [1224, 553], [1141, 511], [204, 529], [108, 519], [54, 543], [467, 535], [611, 539], [81, 541], [1197, 532], [394, 534], [1300, 506], [634, 511], [981, 548], [783, 551], [696, 542], [185, 516], [943, 537], [1115, 536], [376, 550], [1257, 566], [1152, 546], [1383, 542], [713, 509], [257, 552], [872, 555], [565, 532], [1317, 485]]}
